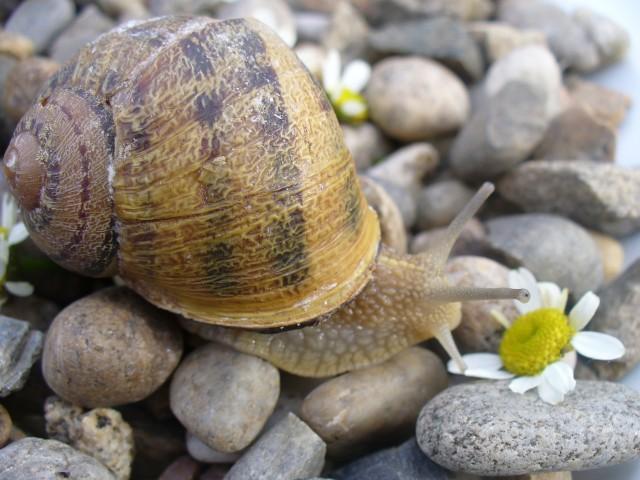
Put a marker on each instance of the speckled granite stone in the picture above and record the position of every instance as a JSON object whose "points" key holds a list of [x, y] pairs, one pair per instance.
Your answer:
{"points": [[484, 429]]}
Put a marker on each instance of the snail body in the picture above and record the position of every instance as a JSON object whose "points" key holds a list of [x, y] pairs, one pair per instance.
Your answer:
{"points": [[199, 161]]}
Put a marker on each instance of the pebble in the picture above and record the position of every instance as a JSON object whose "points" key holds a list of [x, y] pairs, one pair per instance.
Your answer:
{"points": [[440, 202], [22, 85], [533, 65], [41, 20], [101, 433], [500, 134], [214, 472], [401, 87], [392, 230], [404, 462], [6, 426], [441, 38], [203, 453], [124, 10], [485, 429], [366, 143], [276, 14], [387, 11], [224, 397], [15, 45], [536, 476], [576, 135], [407, 166], [612, 254], [311, 26], [498, 39], [478, 330], [289, 450], [313, 56], [374, 404], [110, 348], [567, 39], [38, 312], [347, 32], [554, 248], [606, 106], [472, 240], [610, 39], [404, 199], [604, 197], [85, 28], [35, 458], [20, 348], [618, 316], [183, 468]]}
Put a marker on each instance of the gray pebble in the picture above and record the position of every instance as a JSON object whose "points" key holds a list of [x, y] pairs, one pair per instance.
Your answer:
{"points": [[440, 202], [276, 14], [575, 134], [20, 348], [41, 20], [85, 28], [224, 397], [610, 39], [387, 11], [618, 316], [405, 462], [347, 32], [38, 459], [414, 98], [472, 240], [501, 133], [485, 429], [499, 39], [311, 26], [366, 143], [204, 453], [366, 406], [444, 39], [392, 230], [407, 166], [554, 248], [289, 450], [568, 41], [602, 196]]}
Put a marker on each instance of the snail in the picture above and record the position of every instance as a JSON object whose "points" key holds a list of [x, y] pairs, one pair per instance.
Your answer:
{"points": [[199, 161]]}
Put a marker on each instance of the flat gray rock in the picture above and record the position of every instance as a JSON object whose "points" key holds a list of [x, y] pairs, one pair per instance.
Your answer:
{"points": [[444, 39], [38, 459], [20, 348], [601, 196], [483, 428], [554, 248], [84, 29], [618, 316], [41, 20], [289, 450]]}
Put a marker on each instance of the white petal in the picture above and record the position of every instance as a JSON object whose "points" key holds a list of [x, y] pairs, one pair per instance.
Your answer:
{"points": [[524, 384], [550, 295], [18, 233], [353, 108], [560, 376], [9, 211], [356, 75], [523, 278], [570, 358], [598, 346], [483, 361], [583, 311], [487, 373], [331, 72], [20, 289], [549, 394]]}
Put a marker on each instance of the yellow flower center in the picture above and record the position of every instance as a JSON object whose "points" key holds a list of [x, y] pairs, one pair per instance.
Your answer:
{"points": [[535, 340], [345, 97], [4, 232]]}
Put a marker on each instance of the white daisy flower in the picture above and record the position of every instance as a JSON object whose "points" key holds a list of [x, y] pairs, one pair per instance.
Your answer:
{"points": [[12, 232], [537, 349], [343, 88]]}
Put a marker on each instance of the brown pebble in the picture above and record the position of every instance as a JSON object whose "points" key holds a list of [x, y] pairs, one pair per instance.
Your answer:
{"points": [[612, 254], [6, 426], [110, 348], [15, 45], [392, 228], [183, 468]]}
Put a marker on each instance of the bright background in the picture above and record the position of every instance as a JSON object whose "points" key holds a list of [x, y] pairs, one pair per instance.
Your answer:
{"points": [[624, 76]]}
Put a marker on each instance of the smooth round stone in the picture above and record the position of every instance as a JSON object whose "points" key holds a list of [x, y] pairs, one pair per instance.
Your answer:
{"points": [[110, 348], [392, 230], [203, 453], [472, 240], [413, 98], [85, 28], [612, 253], [224, 397], [366, 143], [41, 20], [485, 429], [478, 330], [35, 458], [366, 405], [440, 202], [499, 39], [554, 248]]}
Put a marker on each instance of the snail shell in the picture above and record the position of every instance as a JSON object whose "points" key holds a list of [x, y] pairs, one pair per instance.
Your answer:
{"points": [[200, 161]]}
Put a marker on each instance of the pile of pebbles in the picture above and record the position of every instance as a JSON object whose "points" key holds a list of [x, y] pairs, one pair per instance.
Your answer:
{"points": [[98, 384]]}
